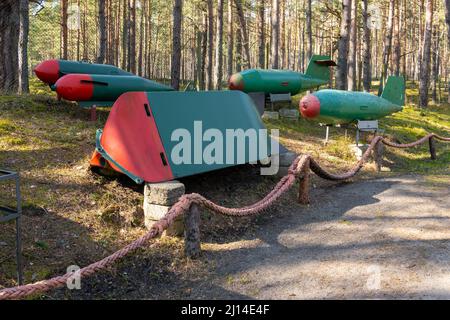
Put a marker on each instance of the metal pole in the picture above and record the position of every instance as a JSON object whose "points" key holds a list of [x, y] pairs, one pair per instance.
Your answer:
{"points": [[18, 231]]}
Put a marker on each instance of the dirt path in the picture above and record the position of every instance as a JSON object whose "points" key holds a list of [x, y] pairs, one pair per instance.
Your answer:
{"points": [[387, 238]]}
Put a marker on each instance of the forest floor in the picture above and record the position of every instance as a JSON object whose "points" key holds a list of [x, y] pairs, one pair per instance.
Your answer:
{"points": [[73, 216]]}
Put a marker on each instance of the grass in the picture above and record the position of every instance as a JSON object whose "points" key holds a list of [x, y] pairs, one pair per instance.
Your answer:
{"points": [[72, 216]]}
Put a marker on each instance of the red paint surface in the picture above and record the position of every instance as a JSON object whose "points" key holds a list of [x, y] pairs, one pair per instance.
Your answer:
{"points": [[310, 106], [48, 71], [236, 82], [132, 139], [71, 87]]}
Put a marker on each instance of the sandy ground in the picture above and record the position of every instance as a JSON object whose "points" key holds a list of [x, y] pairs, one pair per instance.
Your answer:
{"points": [[387, 238], [375, 239]]}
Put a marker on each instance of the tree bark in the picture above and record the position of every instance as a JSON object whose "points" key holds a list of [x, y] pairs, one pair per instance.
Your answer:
{"points": [[341, 72], [218, 73], [425, 65], [387, 46], [351, 76], [447, 21], [102, 32], [9, 46], [125, 28], [132, 38], [65, 33], [262, 35], [309, 28], [209, 67], [244, 34], [367, 68], [176, 44], [275, 21], [397, 43], [23, 46], [230, 40]]}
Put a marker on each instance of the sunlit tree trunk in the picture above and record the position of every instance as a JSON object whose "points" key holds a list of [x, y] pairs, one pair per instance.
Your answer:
{"points": [[218, 73], [176, 44], [425, 65], [341, 73]]}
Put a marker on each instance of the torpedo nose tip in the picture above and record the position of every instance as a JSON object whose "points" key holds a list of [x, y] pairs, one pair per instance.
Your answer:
{"points": [[309, 106], [236, 82], [75, 87], [48, 71]]}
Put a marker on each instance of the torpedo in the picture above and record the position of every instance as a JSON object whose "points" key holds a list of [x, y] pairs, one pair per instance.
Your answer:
{"points": [[49, 71], [102, 90], [338, 107], [283, 81]]}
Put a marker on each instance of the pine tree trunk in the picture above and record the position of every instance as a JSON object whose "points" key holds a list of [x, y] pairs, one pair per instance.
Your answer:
{"points": [[367, 68], [132, 42], [244, 34], [176, 44], [102, 31], [218, 73], [209, 67], [23, 46], [142, 35], [65, 33], [275, 21], [341, 72], [447, 21], [387, 46], [309, 28], [9, 46], [397, 43], [351, 76], [230, 39], [262, 35], [425, 65], [435, 65], [125, 34]]}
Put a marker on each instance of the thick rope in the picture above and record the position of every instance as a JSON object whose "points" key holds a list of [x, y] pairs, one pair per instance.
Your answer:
{"points": [[184, 204]]}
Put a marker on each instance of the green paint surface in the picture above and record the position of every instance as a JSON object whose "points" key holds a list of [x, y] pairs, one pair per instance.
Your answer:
{"points": [[67, 67], [339, 107], [219, 110], [109, 88]]}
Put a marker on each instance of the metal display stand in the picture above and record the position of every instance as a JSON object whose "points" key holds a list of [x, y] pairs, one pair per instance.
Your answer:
{"points": [[8, 214]]}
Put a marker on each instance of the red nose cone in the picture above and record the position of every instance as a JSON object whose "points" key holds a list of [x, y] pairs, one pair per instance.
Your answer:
{"points": [[310, 106], [48, 71], [236, 82], [75, 87]]}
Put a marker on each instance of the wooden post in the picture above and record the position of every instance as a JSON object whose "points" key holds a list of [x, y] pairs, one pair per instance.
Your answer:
{"points": [[303, 191], [378, 152], [192, 247], [432, 148]]}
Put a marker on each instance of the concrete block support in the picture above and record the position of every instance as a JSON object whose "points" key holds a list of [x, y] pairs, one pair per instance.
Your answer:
{"points": [[158, 199]]}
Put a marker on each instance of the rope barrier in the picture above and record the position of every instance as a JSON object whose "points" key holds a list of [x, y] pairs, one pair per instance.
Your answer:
{"points": [[298, 170]]}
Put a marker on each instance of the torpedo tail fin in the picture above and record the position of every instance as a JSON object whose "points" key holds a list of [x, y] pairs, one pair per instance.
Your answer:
{"points": [[394, 91], [319, 67]]}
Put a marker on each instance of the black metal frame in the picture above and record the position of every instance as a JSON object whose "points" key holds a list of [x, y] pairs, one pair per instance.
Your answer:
{"points": [[8, 214]]}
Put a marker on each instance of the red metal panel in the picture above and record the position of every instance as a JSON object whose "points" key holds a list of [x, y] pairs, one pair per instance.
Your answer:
{"points": [[131, 138]]}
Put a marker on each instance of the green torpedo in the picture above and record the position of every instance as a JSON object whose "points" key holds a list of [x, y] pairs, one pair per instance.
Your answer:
{"points": [[333, 107], [283, 81]]}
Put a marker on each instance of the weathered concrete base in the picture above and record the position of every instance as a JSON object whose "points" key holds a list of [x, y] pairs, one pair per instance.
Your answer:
{"points": [[271, 115], [358, 150], [158, 199], [289, 114]]}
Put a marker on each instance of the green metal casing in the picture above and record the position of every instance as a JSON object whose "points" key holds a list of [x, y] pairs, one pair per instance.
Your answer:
{"points": [[109, 88], [217, 110], [341, 107], [278, 81], [68, 67]]}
